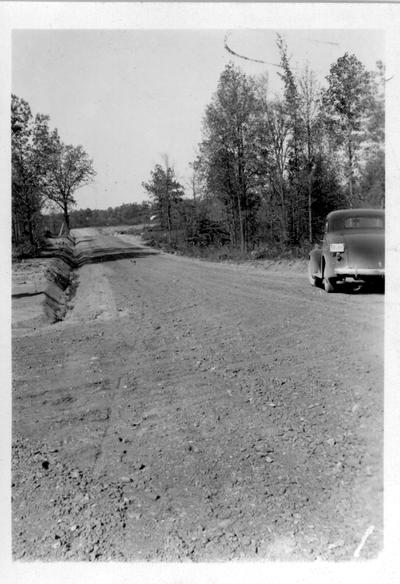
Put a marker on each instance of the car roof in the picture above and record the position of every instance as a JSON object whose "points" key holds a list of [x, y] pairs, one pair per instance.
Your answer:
{"points": [[354, 213]]}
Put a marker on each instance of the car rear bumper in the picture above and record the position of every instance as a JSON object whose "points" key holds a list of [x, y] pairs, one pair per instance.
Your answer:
{"points": [[359, 272]]}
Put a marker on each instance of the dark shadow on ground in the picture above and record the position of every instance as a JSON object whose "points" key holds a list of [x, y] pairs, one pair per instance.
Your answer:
{"points": [[377, 287], [78, 258], [84, 238], [111, 254]]}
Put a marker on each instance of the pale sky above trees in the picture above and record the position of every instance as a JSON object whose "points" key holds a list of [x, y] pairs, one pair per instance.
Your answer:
{"points": [[131, 96]]}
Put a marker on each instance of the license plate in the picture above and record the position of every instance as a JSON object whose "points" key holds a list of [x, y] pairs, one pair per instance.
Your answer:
{"points": [[336, 247]]}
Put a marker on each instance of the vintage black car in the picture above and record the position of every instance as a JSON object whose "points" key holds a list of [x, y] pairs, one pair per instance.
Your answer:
{"points": [[353, 249]]}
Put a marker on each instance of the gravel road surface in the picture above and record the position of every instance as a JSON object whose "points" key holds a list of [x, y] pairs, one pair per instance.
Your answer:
{"points": [[196, 411]]}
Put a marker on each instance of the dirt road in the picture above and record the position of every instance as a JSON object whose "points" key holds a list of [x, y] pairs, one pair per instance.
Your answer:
{"points": [[187, 410]]}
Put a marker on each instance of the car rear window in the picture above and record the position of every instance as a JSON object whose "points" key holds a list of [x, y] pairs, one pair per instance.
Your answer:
{"points": [[364, 222]]}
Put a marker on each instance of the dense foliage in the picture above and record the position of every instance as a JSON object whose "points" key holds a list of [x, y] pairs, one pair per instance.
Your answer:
{"points": [[45, 172], [277, 165], [166, 193], [269, 168], [126, 214]]}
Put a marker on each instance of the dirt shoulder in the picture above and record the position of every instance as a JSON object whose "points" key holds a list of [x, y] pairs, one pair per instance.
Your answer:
{"points": [[187, 410]]}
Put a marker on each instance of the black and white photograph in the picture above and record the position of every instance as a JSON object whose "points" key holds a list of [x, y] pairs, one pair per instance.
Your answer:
{"points": [[197, 265]]}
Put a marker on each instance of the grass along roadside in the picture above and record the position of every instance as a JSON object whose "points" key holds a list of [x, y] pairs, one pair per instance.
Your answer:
{"points": [[267, 255]]}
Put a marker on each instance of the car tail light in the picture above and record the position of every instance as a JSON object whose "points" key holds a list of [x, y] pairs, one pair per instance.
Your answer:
{"points": [[336, 247]]}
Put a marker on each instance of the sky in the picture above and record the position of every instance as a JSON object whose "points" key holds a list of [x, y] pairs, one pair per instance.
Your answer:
{"points": [[131, 96]]}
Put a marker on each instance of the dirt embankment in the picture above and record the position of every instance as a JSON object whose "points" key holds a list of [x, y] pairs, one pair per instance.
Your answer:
{"points": [[42, 288], [192, 411]]}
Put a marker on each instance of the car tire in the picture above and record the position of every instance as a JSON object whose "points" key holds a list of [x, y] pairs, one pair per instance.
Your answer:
{"points": [[329, 285]]}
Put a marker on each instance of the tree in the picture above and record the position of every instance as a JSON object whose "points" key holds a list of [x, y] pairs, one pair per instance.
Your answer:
{"points": [[166, 193], [311, 113], [227, 152], [372, 179], [297, 140], [27, 175], [273, 136], [43, 169], [277, 166], [347, 101], [376, 118], [66, 167]]}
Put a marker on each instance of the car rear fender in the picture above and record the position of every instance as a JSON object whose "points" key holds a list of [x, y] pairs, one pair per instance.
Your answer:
{"points": [[328, 269]]}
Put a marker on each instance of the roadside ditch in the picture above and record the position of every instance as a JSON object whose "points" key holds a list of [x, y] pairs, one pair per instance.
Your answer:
{"points": [[61, 276], [42, 288], [61, 288]]}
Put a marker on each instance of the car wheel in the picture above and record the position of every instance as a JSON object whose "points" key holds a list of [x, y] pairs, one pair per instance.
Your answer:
{"points": [[329, 285], [311, 278]]}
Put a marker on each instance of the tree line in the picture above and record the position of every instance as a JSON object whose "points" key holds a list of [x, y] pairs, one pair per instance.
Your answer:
{"points": [[126, 214], [270, 167], [46, 172]]}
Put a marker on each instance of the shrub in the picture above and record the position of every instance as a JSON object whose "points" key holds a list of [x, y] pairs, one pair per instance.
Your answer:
{"points": [[25, 250]]}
